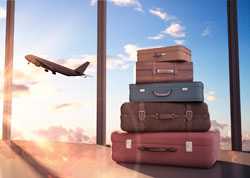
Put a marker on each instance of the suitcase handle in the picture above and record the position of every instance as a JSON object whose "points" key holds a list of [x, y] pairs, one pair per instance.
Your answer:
{"points": [[162, 94], [164, 71], [157, 149], [158, 55]]}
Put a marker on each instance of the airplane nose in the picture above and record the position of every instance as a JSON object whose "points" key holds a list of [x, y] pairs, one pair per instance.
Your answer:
{"points": [[28, 57]]}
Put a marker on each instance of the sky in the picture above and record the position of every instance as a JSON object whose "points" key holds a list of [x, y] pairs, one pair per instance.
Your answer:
{"points": [[65, 31]]}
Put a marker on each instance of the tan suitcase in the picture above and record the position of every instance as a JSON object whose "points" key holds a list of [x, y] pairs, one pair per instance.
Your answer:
{"points": [[155, 72], [173, 53]]}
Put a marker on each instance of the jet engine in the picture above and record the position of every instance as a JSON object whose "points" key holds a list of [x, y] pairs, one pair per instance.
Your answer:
{"points": [[37, 64]]}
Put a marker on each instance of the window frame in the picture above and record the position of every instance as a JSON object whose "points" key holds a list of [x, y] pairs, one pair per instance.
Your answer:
{"points": [[234, 80]]}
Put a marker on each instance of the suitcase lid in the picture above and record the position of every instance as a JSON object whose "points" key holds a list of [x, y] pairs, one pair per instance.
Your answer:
{"points": [[168, 138], [172, 84], [166, 49]]}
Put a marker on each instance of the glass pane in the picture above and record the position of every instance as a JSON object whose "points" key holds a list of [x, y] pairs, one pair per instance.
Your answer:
{"points": [[147, 24], [2, 56], [47, 106], [244, 47]]}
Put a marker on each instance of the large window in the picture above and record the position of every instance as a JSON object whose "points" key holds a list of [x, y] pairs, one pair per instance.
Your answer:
{"points": [[244, 47], [142, 24], [63, 108], [47, 106]]}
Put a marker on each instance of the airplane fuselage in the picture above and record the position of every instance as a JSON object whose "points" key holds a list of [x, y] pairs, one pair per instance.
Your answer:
{"points": [[53, 67]]}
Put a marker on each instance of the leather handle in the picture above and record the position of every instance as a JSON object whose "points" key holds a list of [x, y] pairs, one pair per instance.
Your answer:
{"points": [[158, 55], [157, 149], [164, 71], [164, 94], [166, 116]]}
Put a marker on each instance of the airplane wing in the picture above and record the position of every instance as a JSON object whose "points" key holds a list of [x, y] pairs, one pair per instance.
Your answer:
{"points": [[47, 65]]}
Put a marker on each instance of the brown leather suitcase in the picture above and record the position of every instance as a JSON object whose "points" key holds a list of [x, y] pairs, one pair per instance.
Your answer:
{"points": [[191, 149], [173, 53], [165, 117], [152, 72]]}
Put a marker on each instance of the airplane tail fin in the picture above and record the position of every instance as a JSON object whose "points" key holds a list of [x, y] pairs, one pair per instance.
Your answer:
{"points": [[82, 67]]}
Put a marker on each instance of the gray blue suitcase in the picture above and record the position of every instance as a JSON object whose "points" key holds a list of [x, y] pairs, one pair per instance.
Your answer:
{"points": [[167, 92]]}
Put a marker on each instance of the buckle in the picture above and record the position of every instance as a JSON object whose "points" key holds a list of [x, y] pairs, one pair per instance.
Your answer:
{"points": [[157, 116], [142, 115], [189, 115]]}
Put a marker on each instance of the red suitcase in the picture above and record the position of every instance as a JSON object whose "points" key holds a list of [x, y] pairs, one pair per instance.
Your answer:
{"points": [[177, 149]]}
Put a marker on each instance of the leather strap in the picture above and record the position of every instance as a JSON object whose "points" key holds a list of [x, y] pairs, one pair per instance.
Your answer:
{"points": [[175, 70], [166, 116], [163, 116], [154, 69], [189, 117], [141, 112], [157, 116]]}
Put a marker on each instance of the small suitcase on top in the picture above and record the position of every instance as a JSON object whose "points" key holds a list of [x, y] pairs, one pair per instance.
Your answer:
{"points": [[165, 117], [156, 72], [176, 53], [176, 149], [167, 92]]}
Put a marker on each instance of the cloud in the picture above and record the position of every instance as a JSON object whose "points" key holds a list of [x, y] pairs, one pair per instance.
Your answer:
{"points": [[59, 133], [64, 106], [175, 30], [18, 90], [129, 3], [2, 13], [206, 32], [113, 63], [131, 51], [224, 129], [93, 2], [210, 96], [161, 14], [157, 37], [179, 42], [117, 63], [215, 124], [123, 3]]}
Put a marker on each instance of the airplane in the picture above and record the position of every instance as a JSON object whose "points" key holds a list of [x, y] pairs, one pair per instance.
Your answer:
{"points": [[56, 68]]}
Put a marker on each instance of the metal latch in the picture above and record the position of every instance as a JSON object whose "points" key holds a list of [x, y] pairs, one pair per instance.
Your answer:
{"points": [[189, 115], [128, 143], [142, 115], [142, 90], [189, 146], [184, 89]]}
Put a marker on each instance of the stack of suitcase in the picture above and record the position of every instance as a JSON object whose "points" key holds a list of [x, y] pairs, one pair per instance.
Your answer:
{"points": [[166, 120]]}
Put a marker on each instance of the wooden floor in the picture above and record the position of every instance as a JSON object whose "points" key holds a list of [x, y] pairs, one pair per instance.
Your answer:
{"points": [[93, 161], [12, 166]]}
